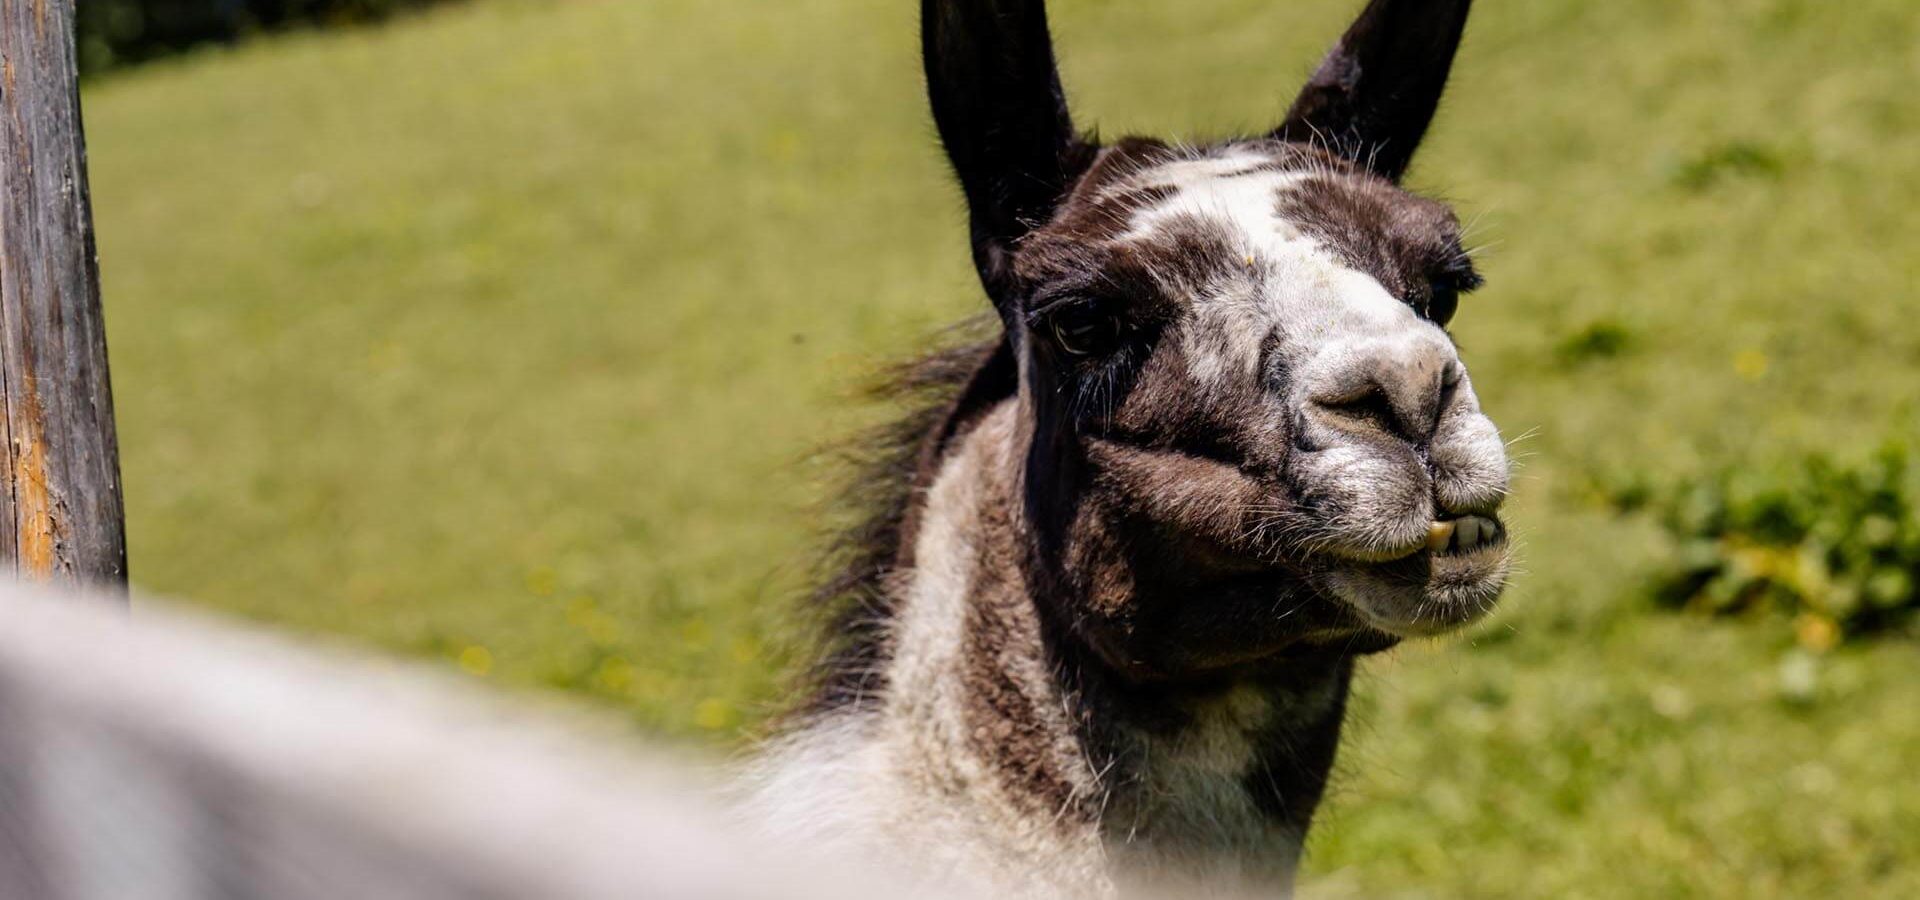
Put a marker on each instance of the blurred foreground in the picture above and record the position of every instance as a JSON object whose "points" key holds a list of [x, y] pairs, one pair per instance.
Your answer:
{"points": [[164, 756]]}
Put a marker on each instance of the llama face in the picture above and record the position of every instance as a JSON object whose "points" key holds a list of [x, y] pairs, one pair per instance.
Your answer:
{"points": [[1246, 431], [1251, 432]]}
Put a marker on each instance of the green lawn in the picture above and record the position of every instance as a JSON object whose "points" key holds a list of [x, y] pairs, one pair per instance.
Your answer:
{"points": [[502, 336]]}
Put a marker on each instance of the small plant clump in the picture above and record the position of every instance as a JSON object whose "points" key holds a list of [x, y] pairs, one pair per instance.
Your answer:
{"points": [[1597, 340], [1837, 546]]}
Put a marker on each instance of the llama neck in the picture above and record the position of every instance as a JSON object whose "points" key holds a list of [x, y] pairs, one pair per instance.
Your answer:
{"points": [[1054, 757]]}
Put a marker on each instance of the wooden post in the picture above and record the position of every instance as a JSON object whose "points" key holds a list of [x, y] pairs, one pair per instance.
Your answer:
{"points": [[60, 511]]}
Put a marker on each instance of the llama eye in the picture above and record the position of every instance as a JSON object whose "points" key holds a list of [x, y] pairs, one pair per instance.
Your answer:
{"points": [[1442, 303], [1085, 333]]}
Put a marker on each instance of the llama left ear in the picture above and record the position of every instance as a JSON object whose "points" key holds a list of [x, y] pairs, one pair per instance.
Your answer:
{"points": [[1374, 94], [1003, 118]]}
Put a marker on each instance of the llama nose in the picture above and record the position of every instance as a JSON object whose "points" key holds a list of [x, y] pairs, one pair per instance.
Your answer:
{"points": [[1399, 390]]}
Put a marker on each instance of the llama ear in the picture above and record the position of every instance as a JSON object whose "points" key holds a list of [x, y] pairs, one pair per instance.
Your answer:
{"points": [[1373, 95], [1003, 117]]}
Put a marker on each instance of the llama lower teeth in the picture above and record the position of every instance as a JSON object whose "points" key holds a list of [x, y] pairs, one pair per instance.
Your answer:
{"points": [[1467, 534], [1439, 535], [1462, 534]]}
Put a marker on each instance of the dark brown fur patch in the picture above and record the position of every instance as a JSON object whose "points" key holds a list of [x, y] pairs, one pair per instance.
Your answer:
{"points": [[1295, 755], [1404, 241], [1008, 730]]}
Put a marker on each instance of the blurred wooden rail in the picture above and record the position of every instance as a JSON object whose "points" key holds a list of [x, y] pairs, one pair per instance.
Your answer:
{"points": [[159, 756], [60, 507]]}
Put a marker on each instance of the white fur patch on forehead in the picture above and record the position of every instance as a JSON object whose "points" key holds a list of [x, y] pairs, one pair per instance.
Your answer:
{"points": [[1247, 201], [1238, 186], [1291, 285], [1183, 172]]}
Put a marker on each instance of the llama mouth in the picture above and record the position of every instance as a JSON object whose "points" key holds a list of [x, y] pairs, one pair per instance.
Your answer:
{"points": [[1464, 534], [1452, 579], [1445, 537]]}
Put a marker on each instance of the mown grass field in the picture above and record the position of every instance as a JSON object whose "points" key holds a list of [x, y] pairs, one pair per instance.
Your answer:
{"points": [[502, 337]]}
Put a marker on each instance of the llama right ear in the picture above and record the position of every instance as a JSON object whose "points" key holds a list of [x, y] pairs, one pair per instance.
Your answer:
{"points": [[1374, 94], [1003, 118]]}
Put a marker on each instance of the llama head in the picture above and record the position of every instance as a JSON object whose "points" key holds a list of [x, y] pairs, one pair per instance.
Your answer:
{"points": [[1246, 433]]}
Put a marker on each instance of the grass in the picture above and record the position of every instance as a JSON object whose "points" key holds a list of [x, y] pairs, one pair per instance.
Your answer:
{"points": [[502, 337]]}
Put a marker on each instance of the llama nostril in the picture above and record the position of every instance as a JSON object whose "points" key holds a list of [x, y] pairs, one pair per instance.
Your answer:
{"points": [[1400, 387], [1413, 415], [1369, 404]]}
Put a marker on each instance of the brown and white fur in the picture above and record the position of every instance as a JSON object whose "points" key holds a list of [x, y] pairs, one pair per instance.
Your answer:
{"points": [[1101, 629]]}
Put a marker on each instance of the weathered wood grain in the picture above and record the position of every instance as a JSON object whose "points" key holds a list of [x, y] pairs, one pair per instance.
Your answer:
{"points": [[60, 503]]}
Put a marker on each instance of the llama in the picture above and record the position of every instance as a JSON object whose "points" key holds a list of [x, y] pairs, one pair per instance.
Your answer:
{"points": [[1220, 445]]}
